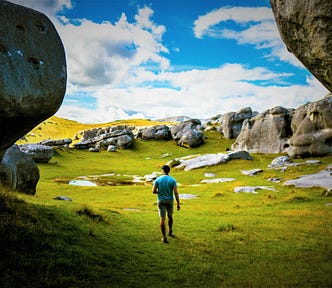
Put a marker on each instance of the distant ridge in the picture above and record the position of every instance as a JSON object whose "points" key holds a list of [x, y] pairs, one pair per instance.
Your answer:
{"points": [[174, 119]]}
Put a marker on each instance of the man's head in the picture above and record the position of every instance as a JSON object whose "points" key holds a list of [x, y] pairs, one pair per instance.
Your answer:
{"points": [[166, 169]]}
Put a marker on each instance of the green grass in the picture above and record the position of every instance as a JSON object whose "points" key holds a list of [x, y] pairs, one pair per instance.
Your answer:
{"points": [[108, 236]]}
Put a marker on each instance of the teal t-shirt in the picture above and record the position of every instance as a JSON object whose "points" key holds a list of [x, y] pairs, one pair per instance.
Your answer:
{"points": [[165, 185]]}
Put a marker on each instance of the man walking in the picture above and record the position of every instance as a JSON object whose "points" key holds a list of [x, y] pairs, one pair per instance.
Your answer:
{"points": [[165, 186]]}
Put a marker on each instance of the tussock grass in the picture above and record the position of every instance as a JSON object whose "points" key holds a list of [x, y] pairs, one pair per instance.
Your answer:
{"points": [[108, 236]]}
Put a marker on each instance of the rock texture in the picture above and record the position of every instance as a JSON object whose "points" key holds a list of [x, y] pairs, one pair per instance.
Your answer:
{"points": [[32, 71], [267, 132], [188, 133], [158, 132], [18, 171], [231, 123], [39, 153], [306, 29], [312, 129]]}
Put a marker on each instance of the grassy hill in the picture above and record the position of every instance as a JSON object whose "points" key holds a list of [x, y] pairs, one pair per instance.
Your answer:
{"points": [[59, 128], [108, 236]]}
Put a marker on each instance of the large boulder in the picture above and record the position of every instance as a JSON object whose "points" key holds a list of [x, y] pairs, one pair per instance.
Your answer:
{"points": [[188, 134], [231, 123], [39, 153], [312, 129], [158, 132], [306, 28], [18, 171], [267, 132], [32, 71]]}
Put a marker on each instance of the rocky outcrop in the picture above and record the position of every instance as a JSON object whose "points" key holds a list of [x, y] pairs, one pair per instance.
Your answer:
{"points": [[57, 143], [39, 153], [188, 133], [231, 123], [267, 132], [306, 29], [312, 129], [18, 171], [120, 136], [32, 71], [158, 132]]}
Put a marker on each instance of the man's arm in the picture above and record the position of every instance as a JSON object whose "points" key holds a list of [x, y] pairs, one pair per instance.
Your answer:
{"points": [[176, 194], [154, 189]]}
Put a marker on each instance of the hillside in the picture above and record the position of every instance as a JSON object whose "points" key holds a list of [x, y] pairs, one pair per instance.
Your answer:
{"points": [[60, 128]]}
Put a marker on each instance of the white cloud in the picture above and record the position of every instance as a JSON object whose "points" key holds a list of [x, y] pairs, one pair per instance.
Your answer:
{"points": [[49, 7], [251, 25]]}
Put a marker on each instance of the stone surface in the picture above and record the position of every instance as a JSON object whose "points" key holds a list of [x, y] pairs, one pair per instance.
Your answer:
{"points": [[39, 153], [188, 133], [18, 171], [32, 73], [158, 132], [267, 132], [312, 129], [252, 189], [321, 179], [306, 29], [231, 122]]}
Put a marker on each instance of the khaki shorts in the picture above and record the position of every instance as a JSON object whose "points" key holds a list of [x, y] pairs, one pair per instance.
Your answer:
{"points": [[165, 206]]}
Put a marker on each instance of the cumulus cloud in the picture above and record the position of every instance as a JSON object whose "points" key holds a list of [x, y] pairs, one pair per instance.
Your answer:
{"points": [[251, 25], [49, 7]]}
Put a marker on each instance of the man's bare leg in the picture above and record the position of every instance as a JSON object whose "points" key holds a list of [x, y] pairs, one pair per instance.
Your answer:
{"points": [[163, 229], [170, 225]]}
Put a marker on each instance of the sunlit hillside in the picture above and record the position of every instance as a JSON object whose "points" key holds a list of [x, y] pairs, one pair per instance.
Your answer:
{"points": [[59, 128]]}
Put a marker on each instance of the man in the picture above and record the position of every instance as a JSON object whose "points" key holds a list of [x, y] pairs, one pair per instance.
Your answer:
{"points": [[165, 186]]}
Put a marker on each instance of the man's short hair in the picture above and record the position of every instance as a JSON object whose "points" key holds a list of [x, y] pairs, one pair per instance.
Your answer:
{"points": [[166, 169]]}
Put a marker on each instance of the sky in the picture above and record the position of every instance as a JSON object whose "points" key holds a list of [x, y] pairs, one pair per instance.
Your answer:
{"points": [[163, 58]]}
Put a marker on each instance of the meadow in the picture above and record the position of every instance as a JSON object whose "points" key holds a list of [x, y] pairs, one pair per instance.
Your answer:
{"points": [[109, 235]]}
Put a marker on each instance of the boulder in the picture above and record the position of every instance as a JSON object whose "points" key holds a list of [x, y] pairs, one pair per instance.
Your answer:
{"points": [[306, 29], [32, 73], [267, 132], [58, 143], [231, 123], [158, 132], [18, 171], [312, 129], [39, 153], [188, 133], [280, 161], [211, 160]]}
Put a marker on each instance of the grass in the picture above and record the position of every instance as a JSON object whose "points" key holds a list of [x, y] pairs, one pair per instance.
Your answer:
{"points": [[108, 236]]}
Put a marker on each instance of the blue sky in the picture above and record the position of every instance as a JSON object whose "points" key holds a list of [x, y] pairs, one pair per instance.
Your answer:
{"points": [[161, 58]]}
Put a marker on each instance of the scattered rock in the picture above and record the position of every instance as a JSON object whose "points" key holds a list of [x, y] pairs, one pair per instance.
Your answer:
{"points": [[252, 189], [58, 143], [280, 161], [158, 132], [321, 179], [111, 148], [252, 172], [211, 160], [217, 180], [62, 198]]}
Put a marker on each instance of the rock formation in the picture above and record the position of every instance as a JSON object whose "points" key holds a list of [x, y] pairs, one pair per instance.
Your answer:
{"points": [[306, 28], [231, 123], [267, 132], [39, 153], [18, 171], [32, 71], [312, 129], [158, 132], [188, 133]]}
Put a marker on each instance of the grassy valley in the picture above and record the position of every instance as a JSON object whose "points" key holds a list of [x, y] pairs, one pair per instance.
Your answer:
{"points": [[108, 236]]}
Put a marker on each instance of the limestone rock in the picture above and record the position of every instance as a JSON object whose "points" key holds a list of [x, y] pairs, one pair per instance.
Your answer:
{"points": [[32, 73], [267, 132], [306, 29], [231, 122], [39, 153], [312, 129], [18, 171], [188, 133], [158, 132]]}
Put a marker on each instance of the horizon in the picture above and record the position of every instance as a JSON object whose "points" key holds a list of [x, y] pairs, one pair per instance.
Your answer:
{"points": [[157, 59]]}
